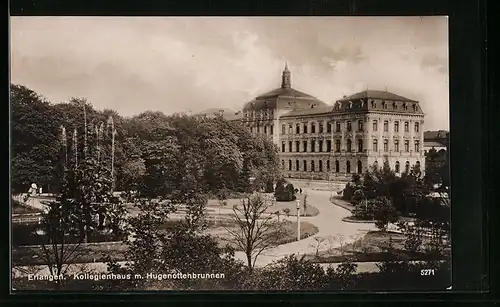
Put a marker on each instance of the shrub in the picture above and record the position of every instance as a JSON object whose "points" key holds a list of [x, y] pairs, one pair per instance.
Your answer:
{"points": [[384, 212]]}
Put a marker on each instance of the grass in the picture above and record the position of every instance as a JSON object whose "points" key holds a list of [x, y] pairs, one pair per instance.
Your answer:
{"points": [[19, 208], [98, 253], [290, 228], [275, 206], [373, 247], [87, 254]]}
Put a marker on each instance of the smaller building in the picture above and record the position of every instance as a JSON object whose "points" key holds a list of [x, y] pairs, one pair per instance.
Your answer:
{"points": [[438, 140]]}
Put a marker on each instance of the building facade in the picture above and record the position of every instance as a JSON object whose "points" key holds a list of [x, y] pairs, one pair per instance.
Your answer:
{"points": [[320, 141]]}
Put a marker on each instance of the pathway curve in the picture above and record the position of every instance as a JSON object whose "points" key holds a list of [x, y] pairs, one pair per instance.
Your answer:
{"points": [[329, 223]]}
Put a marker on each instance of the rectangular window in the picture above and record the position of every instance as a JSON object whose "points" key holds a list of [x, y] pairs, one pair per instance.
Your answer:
{"points": [[272, 132], [360, 125], [320, 145], [386, 145], [396, 146], [396, 126], [312, 166], [386, 126], [337, 145], [305, 128], [320, 164], [375, 145], [417, 146], [290, 129], [297, 145], [313, 128], [297, 165], [349, 127], [407, 127], [283, 129], [329, 128], [375, 125], [283, 164], [337, 127], [297, 129], [327, 165], [304, 165], [328, 145], [289, 165], [407, 146], [320, 127], [417, 127], [313, 146], [265, 129], [289, 146], [360, 145], [304, 146], [282, 146]]}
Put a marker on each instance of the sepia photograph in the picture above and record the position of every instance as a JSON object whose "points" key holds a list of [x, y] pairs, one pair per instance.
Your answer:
{"points": [[230, 154]]}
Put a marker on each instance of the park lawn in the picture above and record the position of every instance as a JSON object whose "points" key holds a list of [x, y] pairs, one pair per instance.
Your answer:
{"points": [[373, 248], [277, 206], [292, 206], [87, 253], [98, 252], [18, 208], [306, 230]]}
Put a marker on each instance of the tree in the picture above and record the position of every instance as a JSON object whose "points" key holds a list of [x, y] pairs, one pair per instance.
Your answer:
{"points": [[385, 212], [35, 146], [256, 230], [59, 226]]}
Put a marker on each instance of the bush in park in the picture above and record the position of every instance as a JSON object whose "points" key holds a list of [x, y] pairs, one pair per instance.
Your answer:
{"points": [[384, 212]]}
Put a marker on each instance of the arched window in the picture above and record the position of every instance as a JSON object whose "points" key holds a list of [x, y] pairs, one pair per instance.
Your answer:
{"points": [[360, 167], [289, 165], [397, 167], [349, 145], [407, 166], [348, 166], [417, 166], [297, 165], [337, 166]]}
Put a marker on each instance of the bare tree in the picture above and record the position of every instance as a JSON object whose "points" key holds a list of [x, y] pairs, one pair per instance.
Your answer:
{"points": [[256, 230], [317, 246], [57, 251]]}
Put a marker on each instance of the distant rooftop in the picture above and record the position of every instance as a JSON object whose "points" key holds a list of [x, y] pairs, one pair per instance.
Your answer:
{"points": [[375, 94]]}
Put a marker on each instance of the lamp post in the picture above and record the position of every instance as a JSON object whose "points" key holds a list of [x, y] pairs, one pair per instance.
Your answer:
{"points": [[298, 219]]}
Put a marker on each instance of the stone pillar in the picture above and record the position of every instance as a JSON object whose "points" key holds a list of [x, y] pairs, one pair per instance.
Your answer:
{"points": [[380, 137], [391, 131], [342, 138], [412, 139], [367, 135]]}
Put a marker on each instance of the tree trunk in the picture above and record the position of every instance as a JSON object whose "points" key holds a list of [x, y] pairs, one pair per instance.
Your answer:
{"points": [[249, 260]]}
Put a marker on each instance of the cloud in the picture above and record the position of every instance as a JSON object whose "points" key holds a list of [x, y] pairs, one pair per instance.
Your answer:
{"points": [[179, 64]]}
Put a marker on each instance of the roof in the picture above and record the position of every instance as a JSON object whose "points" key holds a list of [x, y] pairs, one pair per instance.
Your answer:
{"points": [[431, 135], [226, 113], [269, 99], [375, 94], [433, 144], [309, 111]]}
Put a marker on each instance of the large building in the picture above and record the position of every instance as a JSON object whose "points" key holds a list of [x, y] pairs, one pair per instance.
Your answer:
{"points": [[321, 141]]}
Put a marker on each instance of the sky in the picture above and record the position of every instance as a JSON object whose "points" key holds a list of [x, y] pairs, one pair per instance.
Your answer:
{"points": [[182, 64]]}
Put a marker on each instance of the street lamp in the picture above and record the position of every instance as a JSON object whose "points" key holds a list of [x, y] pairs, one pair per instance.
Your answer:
{"points": [[298, 219]]}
